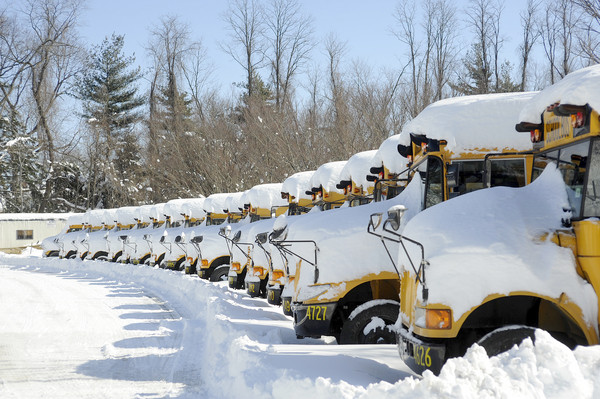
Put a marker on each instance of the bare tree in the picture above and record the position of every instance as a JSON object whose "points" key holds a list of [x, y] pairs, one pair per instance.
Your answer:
{"points": [[557, 32], [530, 36], [445, 32], [588, 35], [289, 38], [246, 32]]}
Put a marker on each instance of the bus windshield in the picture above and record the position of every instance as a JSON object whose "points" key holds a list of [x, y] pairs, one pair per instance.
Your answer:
{"points": [[579, 165]]}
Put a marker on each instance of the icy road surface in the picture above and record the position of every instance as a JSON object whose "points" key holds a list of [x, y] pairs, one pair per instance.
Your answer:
{"points": [[73, 329]]}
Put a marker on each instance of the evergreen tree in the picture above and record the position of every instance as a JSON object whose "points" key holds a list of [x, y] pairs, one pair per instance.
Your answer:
{"points": [[20, 171], [110, 108]]}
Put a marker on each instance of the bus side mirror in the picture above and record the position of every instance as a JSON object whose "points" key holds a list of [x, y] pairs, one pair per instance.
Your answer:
{"points": [[261, 238], [452, 175], [374, 221], [237, 236], [395, 214], [178, 239], [372, 178], [277, 234], [197, 239]]}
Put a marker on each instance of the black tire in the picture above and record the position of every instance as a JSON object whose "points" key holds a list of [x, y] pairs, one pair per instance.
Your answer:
{"points": [[504, 338], [353, 329], [220, 273]]}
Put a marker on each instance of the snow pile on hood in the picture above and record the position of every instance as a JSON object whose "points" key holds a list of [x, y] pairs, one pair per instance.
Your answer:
{"points": [[490, 241], [473, 123], [577, 88], [298, 184], [388, 155], [264, 196], [358, 167], [328, 176], [345, 247]]}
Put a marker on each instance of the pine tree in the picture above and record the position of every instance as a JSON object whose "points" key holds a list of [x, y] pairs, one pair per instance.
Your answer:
{"points": [[110, 108], [20, 170]]}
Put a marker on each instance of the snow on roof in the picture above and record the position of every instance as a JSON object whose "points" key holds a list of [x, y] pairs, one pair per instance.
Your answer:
{"points": [[175, 208], [216, 203], [473, 123], [388, 155], [94, 217], [491, 242], [157, 211], [126, 215], [297, 184], [41, 216], [234, 202], [109, 216], [577, 88], [74, 219], [358, 167], [264, 196], [194, 207], [144, 212], [328, 176]]}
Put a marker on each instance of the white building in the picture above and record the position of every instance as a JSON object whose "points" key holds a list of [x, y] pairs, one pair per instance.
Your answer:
{"points": [[19, 230]]}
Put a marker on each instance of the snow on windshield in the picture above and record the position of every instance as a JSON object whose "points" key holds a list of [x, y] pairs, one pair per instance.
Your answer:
{"points": [[490, 241]]}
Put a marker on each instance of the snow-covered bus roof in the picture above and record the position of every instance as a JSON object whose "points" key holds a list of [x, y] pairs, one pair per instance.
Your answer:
{"points": [[143, 213], [157, 211], [217, 203], [473, 123], [175, 208], [297, 184], [194, 208], [328, 176], [94, 217], [234, 202], [388, 155], [264, 196], [109, 216], [126, 215], [577, 88], [358, 167]]}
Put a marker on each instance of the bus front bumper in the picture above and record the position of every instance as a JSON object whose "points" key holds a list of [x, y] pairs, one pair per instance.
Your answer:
{"points": [[418, 354]]}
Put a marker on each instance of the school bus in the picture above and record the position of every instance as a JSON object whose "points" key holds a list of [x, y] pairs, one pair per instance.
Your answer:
{"points": [[531, 293], [445, 159]]}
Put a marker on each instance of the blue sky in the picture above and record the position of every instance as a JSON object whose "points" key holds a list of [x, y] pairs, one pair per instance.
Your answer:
{"points": [[364, 25]]}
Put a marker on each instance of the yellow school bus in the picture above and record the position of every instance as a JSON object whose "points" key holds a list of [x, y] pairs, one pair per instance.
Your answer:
{"points": [[565, 134], [356, 289]]}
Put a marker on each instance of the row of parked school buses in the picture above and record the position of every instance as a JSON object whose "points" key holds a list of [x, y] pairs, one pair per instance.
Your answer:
{"points": [[371, 250]]}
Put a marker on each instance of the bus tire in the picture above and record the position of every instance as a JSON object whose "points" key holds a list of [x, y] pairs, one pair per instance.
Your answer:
{"points": [[353, 330], [504, 338], [220, 273]]}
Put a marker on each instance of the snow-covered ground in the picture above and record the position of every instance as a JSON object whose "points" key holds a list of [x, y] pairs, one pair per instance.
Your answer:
{"points": [[74, 329]]}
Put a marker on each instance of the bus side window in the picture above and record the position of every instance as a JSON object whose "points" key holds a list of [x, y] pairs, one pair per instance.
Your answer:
{"points": [[591, 206], [508, 172]]}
